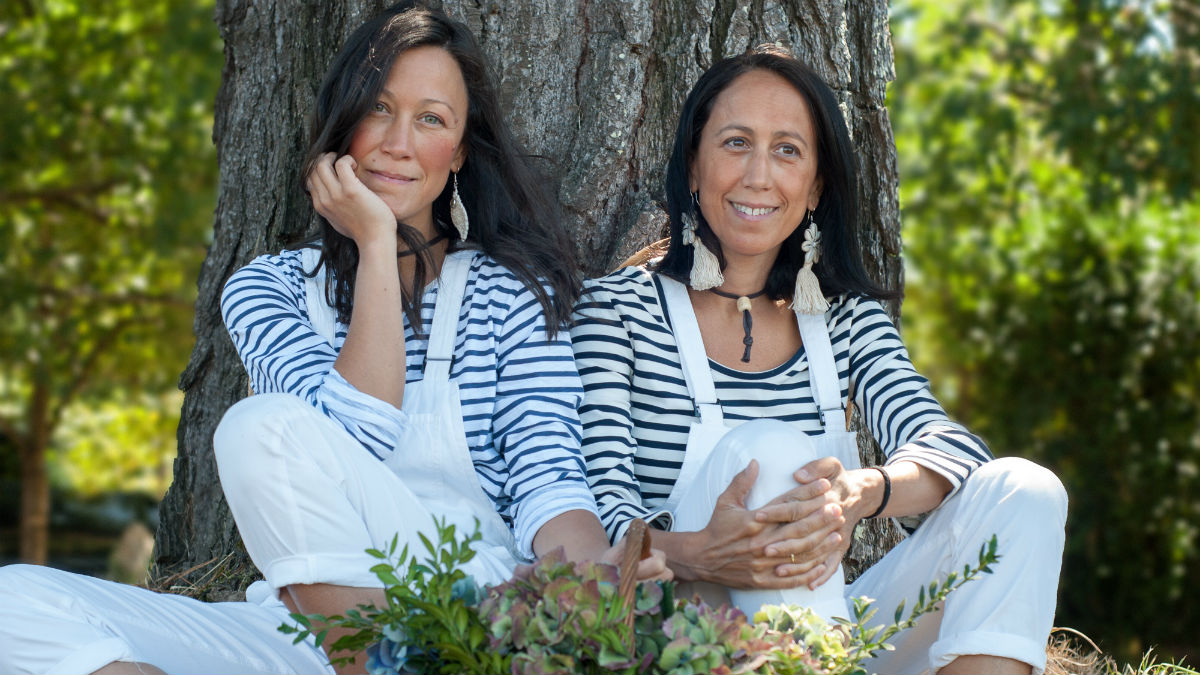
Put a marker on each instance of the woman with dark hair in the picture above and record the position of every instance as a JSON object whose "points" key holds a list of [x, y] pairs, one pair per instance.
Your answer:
{"points": [[719, 384], [383, 402]]}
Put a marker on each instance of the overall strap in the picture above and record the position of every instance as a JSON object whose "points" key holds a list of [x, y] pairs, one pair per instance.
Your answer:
{"points": [[822, 370], [320, 314], [692, 357], [451, 284]]}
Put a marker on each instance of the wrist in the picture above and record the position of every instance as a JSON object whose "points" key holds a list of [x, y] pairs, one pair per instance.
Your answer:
{"points": [[680, 548], [882, 491], [377, 242]]}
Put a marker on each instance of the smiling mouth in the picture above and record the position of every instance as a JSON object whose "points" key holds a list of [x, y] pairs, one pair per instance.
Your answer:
{"points": [[391, 178], [753, 211]]}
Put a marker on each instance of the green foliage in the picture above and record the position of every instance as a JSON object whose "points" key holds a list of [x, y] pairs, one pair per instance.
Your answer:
{"points": [[558, 617], [429, 625], [122, 445], [107, 180], [868, 640], [1054, 286]]}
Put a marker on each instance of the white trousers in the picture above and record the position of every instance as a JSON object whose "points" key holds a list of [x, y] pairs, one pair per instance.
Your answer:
{"points": [[308, 501], [57, 622], [1007, 613], [780, 449]]}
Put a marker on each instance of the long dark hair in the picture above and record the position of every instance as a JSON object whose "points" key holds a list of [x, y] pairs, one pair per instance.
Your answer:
{"points": [[839, 267], [514, 218]]}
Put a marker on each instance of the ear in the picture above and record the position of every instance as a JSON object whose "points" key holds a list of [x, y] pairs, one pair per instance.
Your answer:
{"points": [[814, 195], [460, 157]]}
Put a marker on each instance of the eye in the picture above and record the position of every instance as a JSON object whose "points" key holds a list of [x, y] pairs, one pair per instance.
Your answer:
{"points": [[737, 142], [379, 107], [788, 150], [432, 120]]}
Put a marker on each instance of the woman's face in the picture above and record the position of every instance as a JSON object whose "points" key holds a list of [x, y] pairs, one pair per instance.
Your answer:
{"points": [[756, 166], [412, 139]]}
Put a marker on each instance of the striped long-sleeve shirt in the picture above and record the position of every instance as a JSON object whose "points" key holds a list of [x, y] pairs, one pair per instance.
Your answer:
{"points": [[636, 411], [520, 391]]}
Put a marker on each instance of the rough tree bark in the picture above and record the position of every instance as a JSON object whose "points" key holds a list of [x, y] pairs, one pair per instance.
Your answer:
{"points": [[593, 87]]}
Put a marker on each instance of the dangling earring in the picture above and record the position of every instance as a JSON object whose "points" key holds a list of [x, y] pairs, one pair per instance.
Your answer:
{"points": [[807, 297], [706, 269], [458, 213]]}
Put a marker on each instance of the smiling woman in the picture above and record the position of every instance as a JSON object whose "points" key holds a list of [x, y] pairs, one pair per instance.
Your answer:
{"points": [[718, 394], [755, 171], [383, 402], [406, 147]]}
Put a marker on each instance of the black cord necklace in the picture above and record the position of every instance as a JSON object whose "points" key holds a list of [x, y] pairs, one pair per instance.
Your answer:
{"points": [[424, 247], [743, 305]]}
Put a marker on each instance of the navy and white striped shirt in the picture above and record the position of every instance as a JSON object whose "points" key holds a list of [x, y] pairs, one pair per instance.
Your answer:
{"points": [[520, 391], [636, 411]]}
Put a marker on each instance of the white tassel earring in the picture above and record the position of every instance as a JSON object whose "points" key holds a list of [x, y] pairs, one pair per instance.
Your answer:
{"points": [[706, 269], [458, 213], [807, 297]]}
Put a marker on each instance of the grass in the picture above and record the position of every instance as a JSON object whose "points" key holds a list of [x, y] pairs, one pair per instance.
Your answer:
{"points": [[1070, 652]]}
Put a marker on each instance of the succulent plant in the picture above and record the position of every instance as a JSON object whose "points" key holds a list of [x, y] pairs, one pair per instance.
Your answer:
{"points": [[560, 617]]}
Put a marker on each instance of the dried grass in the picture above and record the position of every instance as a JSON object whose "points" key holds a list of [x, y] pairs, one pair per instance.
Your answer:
{"points": [[1070, 652], [214, 580]]}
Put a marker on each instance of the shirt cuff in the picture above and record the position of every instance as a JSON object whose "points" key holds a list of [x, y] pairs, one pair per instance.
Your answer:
{"points": [[547, 503], [659, 520], [954, 469], [361, 413]]}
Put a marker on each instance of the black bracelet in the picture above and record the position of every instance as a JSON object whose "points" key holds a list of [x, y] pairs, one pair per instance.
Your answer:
{"points": [[887, 491]]}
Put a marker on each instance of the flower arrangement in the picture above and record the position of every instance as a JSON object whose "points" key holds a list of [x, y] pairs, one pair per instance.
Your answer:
{"points": [[558, 617]]}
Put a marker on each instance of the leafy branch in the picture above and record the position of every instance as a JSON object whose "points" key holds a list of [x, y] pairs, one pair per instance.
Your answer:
{"points": [[557, 616], [869, 641]]}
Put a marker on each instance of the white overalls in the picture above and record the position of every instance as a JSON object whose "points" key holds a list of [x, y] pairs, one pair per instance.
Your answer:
{"points": [[335, 500], [716, 453], [1007, 613], [308, 500]]}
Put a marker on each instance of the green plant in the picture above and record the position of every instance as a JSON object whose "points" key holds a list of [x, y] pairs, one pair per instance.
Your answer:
{"points": [[1053, 274], [430, 624], [560, 617]]}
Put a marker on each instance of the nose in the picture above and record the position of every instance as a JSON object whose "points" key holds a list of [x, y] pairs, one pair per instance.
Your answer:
{"points": [[758, 170], [397, 139]]}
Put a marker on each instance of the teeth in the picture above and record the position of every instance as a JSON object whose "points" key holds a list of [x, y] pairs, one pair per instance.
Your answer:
{"points": [[752, 212]]}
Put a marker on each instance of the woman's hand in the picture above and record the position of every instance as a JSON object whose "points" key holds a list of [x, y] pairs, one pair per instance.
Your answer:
{"points": [[652, 568], [738, 550], [826, 488], [349, 205]]}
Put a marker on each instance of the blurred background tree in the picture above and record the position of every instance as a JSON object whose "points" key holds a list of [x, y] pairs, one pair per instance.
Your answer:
{"points": [[107, 176], [1048, 159]]}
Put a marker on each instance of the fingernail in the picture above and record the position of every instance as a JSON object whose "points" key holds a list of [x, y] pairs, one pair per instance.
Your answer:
{"points": [[802, 475]]}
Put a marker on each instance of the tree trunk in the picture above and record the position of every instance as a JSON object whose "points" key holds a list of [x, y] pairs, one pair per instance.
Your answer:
{"points": [[34, 529], [593, 87]]}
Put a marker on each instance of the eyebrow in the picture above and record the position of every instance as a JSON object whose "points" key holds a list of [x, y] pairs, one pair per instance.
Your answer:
{"points": [[748, 131], [392, 95]]}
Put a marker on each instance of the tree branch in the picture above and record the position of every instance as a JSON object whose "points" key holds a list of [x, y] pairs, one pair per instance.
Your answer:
{"points": [[91, 294], [84, 371], [71, 197]]}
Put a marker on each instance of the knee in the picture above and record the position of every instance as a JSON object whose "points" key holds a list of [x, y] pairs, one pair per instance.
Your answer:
{"points": [[1025, 485], [20, 580], [780, 449], [778, 446], [252, 428], [27, 586]]}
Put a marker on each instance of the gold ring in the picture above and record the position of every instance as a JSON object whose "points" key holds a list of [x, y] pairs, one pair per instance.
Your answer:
{"points": [[793, 558]]}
